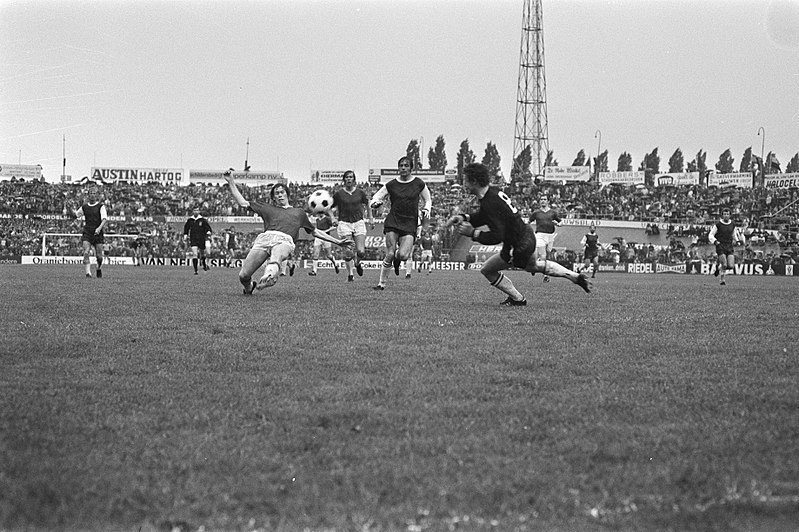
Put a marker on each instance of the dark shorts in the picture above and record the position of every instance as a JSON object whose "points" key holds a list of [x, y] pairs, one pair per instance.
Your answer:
{"points": [[93, 239], [520, 254], [724, 249], [400, 232], [197, 243], [590, 254]]}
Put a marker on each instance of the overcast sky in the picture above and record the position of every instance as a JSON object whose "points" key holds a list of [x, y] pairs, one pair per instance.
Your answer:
{"points": [[336, 84]]}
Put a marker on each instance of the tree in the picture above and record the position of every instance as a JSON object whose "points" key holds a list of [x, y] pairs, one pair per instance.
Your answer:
{"points": [[691, 166], [437, 158], [725, 164], [793, 164], [772, 163], [651, 162], [465, 156], [492, 160], [521, 166], [625, 163], [651, 166], [676, 162], [550, 159], [701, 165], [412, 152], [747, 161], [601, 162], [580, 159]]}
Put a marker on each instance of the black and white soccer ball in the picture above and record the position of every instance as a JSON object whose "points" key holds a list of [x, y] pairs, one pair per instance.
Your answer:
{"points": [[320, 201]]}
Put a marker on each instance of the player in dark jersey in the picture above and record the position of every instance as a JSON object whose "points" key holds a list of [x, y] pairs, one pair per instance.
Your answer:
{"points": [[725, 235], [197, 230], [590, 243], [230, 246], [505, 226], [426, 255], [350, 210], [546, 222], [282, 224], [324, 223], [95, 218], [401, 226]]}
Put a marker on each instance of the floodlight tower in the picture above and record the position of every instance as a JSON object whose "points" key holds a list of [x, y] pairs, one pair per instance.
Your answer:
{"points": [[531, 95]]}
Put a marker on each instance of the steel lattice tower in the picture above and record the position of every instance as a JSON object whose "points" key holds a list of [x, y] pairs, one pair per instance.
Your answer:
{"points": [[531, 96]]}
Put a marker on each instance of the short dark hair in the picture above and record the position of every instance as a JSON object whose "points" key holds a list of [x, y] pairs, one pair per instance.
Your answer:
{"points": [[405, 158], [476, 173], [348, 173], [275, 187]]}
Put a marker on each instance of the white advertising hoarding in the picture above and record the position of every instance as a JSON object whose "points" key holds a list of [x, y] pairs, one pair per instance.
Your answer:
{"points": [[636, 177], [567, 173], [114, 174], [27, 172]]}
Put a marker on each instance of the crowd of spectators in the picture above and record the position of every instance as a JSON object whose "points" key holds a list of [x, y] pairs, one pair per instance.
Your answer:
{"points": [[30, 208]]}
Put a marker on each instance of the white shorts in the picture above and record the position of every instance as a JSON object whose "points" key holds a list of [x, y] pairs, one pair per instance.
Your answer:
{"points": [[346, 229], [269, 239], [324, 244], [545, 241], [427, 254]]}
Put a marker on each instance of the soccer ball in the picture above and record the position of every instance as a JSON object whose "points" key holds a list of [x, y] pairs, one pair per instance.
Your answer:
{"points": [[320, 201]]}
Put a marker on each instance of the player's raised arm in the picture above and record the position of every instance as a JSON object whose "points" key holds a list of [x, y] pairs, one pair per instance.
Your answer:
{"points": [[234, 190]]}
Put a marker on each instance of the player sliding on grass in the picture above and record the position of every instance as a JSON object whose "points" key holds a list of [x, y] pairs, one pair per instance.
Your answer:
{"points": [[282, 224], [505, 225]]}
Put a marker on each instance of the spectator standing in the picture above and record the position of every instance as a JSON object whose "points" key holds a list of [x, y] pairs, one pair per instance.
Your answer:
{"points": [[546, 221]]}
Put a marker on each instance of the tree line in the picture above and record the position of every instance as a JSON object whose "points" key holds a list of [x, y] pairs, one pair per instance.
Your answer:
{"points": [[437, 160]]}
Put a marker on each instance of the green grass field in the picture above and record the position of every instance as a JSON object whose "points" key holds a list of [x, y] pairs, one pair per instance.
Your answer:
{"points": [[153, 399]]}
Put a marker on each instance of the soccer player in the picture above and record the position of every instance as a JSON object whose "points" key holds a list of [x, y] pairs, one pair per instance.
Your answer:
{"points": [[95, 217], [324, 223], [426, 258], [350, 209], [505, 226], [546, 221], [197, 230], [590, 243], [282, 224], [724, 234], [405, 192], [230, 246]]}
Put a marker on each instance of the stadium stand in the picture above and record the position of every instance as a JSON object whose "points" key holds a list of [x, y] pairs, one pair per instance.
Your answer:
{"points": [[676, 218]]}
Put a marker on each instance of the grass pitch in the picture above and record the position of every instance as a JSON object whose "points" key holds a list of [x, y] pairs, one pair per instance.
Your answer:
{"points": [[153, 399]]}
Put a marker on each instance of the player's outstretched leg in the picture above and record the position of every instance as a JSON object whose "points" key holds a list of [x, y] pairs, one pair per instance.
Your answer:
{"points": [[553, 269]]}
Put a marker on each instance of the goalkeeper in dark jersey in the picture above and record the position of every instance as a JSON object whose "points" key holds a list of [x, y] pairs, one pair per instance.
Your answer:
{"points": [[504, 225]]}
